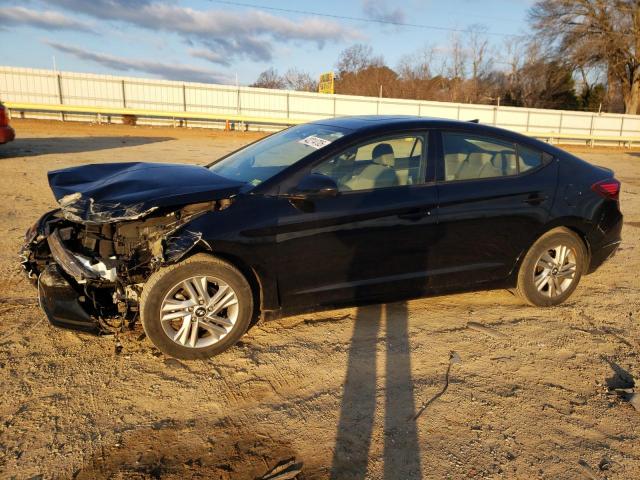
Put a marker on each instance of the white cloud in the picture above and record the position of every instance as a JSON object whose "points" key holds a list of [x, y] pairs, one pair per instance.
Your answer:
{"points": [[209, 55], [170, 71], [48, 20], [380, 10], [246, 33]]}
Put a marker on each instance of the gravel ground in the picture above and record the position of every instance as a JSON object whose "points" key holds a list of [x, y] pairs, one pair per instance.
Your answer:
{"points": [[527, 388]]}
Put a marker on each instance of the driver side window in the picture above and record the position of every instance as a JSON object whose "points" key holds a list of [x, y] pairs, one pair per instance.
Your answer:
{"points": [[389, 162]]}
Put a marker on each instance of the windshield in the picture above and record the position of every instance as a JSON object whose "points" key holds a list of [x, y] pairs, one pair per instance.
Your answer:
{"points": [[262, 160]]}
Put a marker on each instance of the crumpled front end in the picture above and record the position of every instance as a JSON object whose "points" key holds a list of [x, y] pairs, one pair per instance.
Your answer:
{"points": [[90, 275]]}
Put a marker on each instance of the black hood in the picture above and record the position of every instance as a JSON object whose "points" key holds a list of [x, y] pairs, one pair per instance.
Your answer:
{"points": [[109, 192]]}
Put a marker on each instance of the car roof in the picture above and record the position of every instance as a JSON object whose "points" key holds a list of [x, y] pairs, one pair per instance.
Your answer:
{"points": [[361, 124]]}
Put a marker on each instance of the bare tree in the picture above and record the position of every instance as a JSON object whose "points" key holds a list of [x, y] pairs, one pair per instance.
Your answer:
{"points": [[269, 79], [478, 48], [456, 67], [356, 58], [294, 79], [602, 33], [513, 55], [416, 74]]}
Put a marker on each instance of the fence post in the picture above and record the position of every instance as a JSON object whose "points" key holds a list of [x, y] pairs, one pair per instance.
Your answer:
{"points": [[458, 111], [288, 111], [60, 95], [560, 126], [124, 96], [334, 106], [419, 109], [184, 97], [528, 119], [591, 142], [238, 106]]}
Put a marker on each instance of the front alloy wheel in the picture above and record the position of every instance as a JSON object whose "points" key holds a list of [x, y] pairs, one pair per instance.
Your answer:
{"points": [[196, 308], [199, 311]]}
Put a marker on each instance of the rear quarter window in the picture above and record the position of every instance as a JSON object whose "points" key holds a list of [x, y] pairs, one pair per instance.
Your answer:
{"points": [[528, 158]]}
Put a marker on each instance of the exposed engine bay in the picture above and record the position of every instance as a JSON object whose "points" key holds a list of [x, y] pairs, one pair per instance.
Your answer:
{"points": [[99, 267]]}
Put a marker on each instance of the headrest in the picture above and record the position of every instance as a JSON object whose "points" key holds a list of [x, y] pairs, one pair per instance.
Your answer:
{"points": [[476, 157], [383, 154]]}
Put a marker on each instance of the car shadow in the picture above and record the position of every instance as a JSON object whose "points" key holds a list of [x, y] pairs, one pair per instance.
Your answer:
{"points": [[31, 147], [357, 414]]}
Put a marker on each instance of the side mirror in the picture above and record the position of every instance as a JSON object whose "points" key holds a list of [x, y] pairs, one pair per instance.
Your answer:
{"points": [[316, 185]]}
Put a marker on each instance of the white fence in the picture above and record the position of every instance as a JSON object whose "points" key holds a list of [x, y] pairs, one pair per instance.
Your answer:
{"points": [[46, 87]]}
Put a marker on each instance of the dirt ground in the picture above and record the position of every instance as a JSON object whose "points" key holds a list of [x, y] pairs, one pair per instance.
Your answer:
{"points": [[336, 390]]}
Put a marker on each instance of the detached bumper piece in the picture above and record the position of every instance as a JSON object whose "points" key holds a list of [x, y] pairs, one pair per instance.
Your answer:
{"points": [[61, 303]]}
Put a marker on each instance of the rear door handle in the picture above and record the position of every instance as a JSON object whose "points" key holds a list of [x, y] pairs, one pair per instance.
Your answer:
{"points": [[535, 199], [415, 214]]}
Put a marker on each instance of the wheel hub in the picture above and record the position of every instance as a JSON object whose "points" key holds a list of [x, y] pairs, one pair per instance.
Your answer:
{"points": [[199, 311], [555, 270]]}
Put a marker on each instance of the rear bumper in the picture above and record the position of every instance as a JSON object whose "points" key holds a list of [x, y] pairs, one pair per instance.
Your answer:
{"points": [[7, 134], [61, 302], [609, 237]]}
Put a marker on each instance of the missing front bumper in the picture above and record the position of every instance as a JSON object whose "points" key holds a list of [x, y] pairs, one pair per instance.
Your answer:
{"points": [[61, 302]]}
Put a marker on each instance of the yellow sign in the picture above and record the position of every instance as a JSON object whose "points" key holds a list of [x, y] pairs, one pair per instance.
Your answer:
{"points": [[325, 85]]}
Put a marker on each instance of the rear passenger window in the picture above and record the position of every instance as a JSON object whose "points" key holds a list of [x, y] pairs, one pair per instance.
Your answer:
{"points": [[528, 158], [468, 157]]}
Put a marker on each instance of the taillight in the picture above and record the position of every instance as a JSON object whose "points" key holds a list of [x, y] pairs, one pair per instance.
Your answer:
{"points": [[4, 117], [609, 188]]}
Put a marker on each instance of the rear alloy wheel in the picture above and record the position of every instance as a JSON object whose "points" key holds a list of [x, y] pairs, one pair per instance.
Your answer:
{"points": [[196, 308], [552, 268]]}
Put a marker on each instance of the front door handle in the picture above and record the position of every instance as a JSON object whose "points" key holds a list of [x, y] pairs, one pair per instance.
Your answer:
{"points": [[415, 214]]}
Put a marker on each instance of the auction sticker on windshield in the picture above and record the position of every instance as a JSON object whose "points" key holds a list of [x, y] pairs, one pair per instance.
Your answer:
{"points": [[315, 142]]}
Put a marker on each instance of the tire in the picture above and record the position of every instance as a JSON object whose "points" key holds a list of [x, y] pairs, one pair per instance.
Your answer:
{"points": [[196, 295], [542, 280]]}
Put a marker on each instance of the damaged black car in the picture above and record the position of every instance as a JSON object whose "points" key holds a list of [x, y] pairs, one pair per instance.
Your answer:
{"points": [[344, 211]]}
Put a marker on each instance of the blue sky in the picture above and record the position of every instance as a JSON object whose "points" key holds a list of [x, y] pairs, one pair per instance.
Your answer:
{"points": [[213, 41]]}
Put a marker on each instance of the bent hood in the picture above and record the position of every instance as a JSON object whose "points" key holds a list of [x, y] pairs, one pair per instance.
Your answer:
{"points": [[111, 192]]}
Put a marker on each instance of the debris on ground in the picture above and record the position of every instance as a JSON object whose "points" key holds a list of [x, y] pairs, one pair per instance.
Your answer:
{"points": [[285, 470], [453, 358], [605, 463], [587, 470], [486, 330], [622, 384]]}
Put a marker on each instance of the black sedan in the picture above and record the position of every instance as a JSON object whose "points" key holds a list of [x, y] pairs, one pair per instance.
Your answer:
{"points": [[335, 212]]}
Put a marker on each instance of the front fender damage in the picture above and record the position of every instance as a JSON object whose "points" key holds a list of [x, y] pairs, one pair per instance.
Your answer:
{"points": [[96, 269]]}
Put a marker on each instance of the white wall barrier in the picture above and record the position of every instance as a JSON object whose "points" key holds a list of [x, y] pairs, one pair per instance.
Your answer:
{"points": [[47, 87]]}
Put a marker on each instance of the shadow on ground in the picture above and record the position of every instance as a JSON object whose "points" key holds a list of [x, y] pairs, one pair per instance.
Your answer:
{"points": [[401, 454], [32, 147]]}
